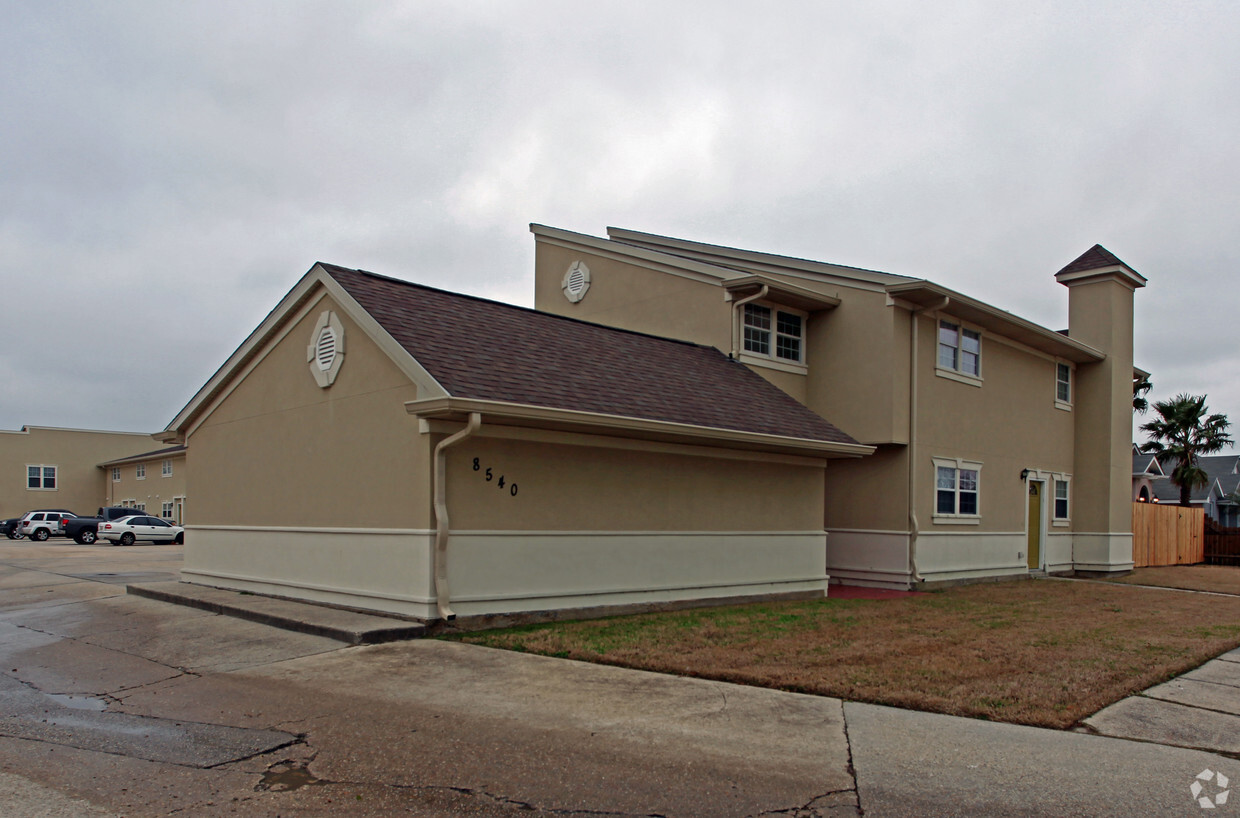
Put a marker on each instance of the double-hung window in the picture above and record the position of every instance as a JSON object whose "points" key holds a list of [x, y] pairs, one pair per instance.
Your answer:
{"points": [[41, 477], [167, 468], [957, 487], [1061, 500], [1063, 386], [116, 474], [960, 349], [140, 471], [774, 333]]}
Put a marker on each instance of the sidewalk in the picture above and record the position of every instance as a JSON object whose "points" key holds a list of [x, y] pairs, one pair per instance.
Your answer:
{"points": [[112, 703]]}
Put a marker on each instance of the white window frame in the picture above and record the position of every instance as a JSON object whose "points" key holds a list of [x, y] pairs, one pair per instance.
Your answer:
{"points": [[955, 372], [1056, 480], [771, 357], [166, 468], [43, 477], [140, 471], [141, 507], [1062, 367], [957, 465], [166, 510], [116, 474]]}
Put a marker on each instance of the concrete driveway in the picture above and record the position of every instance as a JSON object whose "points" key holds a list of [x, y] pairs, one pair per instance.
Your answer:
{"points": [[120, 705]]}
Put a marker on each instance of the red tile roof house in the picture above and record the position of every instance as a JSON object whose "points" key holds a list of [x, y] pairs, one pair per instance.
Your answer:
{"points": [[386, 446]]}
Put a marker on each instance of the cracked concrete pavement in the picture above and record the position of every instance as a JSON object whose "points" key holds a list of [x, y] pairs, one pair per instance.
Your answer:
{"points": [[119, 705]]}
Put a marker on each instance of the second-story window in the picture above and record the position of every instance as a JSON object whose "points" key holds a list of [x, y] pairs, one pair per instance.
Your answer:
{"points": [[167, 468], [787, 329], [140, 471], [960, 349], [1063, 383]]}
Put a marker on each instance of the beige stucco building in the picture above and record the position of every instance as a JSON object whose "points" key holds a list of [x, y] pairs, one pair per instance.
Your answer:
{"points": [[383, 445], [152, 482], [1000, 447], [47, 467]]}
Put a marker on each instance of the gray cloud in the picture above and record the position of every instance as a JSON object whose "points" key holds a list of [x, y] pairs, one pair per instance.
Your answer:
{"points": [[170, 170]]}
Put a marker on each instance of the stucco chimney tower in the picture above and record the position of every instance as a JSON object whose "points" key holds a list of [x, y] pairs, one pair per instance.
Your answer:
{"points": [[1100, 297]]}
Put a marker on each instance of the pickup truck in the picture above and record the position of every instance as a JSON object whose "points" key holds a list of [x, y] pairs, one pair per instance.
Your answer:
{"points": [[85, 530]]}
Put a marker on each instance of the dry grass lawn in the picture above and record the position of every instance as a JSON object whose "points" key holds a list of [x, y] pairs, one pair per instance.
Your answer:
{"points": [[1221, 579], [1041, 652]]}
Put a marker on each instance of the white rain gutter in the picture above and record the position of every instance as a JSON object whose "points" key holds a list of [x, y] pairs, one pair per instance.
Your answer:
{"points": [[736, 322], [442, 595], [913, 528]]}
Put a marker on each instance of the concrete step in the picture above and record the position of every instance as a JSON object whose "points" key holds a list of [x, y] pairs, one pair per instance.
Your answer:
{"points": [[351, 627]]}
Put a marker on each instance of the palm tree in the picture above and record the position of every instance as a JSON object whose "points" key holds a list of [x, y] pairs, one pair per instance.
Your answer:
{"points": [[1182, 433], [1140, 385]]}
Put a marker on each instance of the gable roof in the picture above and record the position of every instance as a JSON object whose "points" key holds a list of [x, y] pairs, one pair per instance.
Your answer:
{"points": [[488, 350], [1221, 469], [1143, 463], [470, 354]]}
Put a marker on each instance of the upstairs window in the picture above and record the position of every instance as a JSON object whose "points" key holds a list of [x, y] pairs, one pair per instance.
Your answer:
{"points": [[40, 477], [167, 468], [1063, 384], [116, 474], [960, 349], [774, 334], [140, 471]]}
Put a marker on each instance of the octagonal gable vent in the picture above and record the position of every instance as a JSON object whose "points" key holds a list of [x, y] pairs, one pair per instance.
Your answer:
{"points": [[576, 281], [325, 353]]}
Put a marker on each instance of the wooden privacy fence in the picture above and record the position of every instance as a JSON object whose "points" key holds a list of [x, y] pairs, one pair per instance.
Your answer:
{"points": [[1167, 535], [1222, 544]]}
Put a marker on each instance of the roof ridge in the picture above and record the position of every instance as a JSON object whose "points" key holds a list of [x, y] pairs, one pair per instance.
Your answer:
{"points": [[531, 310]]}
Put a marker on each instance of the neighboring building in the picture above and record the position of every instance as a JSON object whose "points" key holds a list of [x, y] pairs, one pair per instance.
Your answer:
{"points": [[46, 467], [1217, 497], [1000, 445], [1145, 470], [153, 482], [383, 445]]}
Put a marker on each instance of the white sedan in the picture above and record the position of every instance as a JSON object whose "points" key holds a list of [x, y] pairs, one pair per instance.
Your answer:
{"points": [[128, 530]]}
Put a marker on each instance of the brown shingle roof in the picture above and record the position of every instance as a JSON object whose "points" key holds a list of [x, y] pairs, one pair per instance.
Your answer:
{"points": [[1094, 258], [488, 350]]}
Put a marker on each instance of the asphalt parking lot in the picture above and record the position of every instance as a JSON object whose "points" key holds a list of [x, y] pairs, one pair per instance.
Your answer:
{"points": [[116, 704]]}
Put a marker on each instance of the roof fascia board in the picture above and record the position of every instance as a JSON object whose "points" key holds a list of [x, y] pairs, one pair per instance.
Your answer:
{"points": [[136, 458], [643, 257], [291, 300], [598, 441], [621, 426], [1054, 342], [752, 259], [26, 430], [279, 322], [245, 367], [1116, 272]]}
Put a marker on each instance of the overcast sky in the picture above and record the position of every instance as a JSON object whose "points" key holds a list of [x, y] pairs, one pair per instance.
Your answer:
{"points": [[168, 170]]}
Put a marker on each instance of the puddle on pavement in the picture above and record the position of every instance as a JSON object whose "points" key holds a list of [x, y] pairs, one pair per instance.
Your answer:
{"points": [[288, 779], [78, 702]]}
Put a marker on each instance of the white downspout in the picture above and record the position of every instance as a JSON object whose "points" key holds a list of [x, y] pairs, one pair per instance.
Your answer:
{"points": [[912, 436], [736, 322], [442, 595]]}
